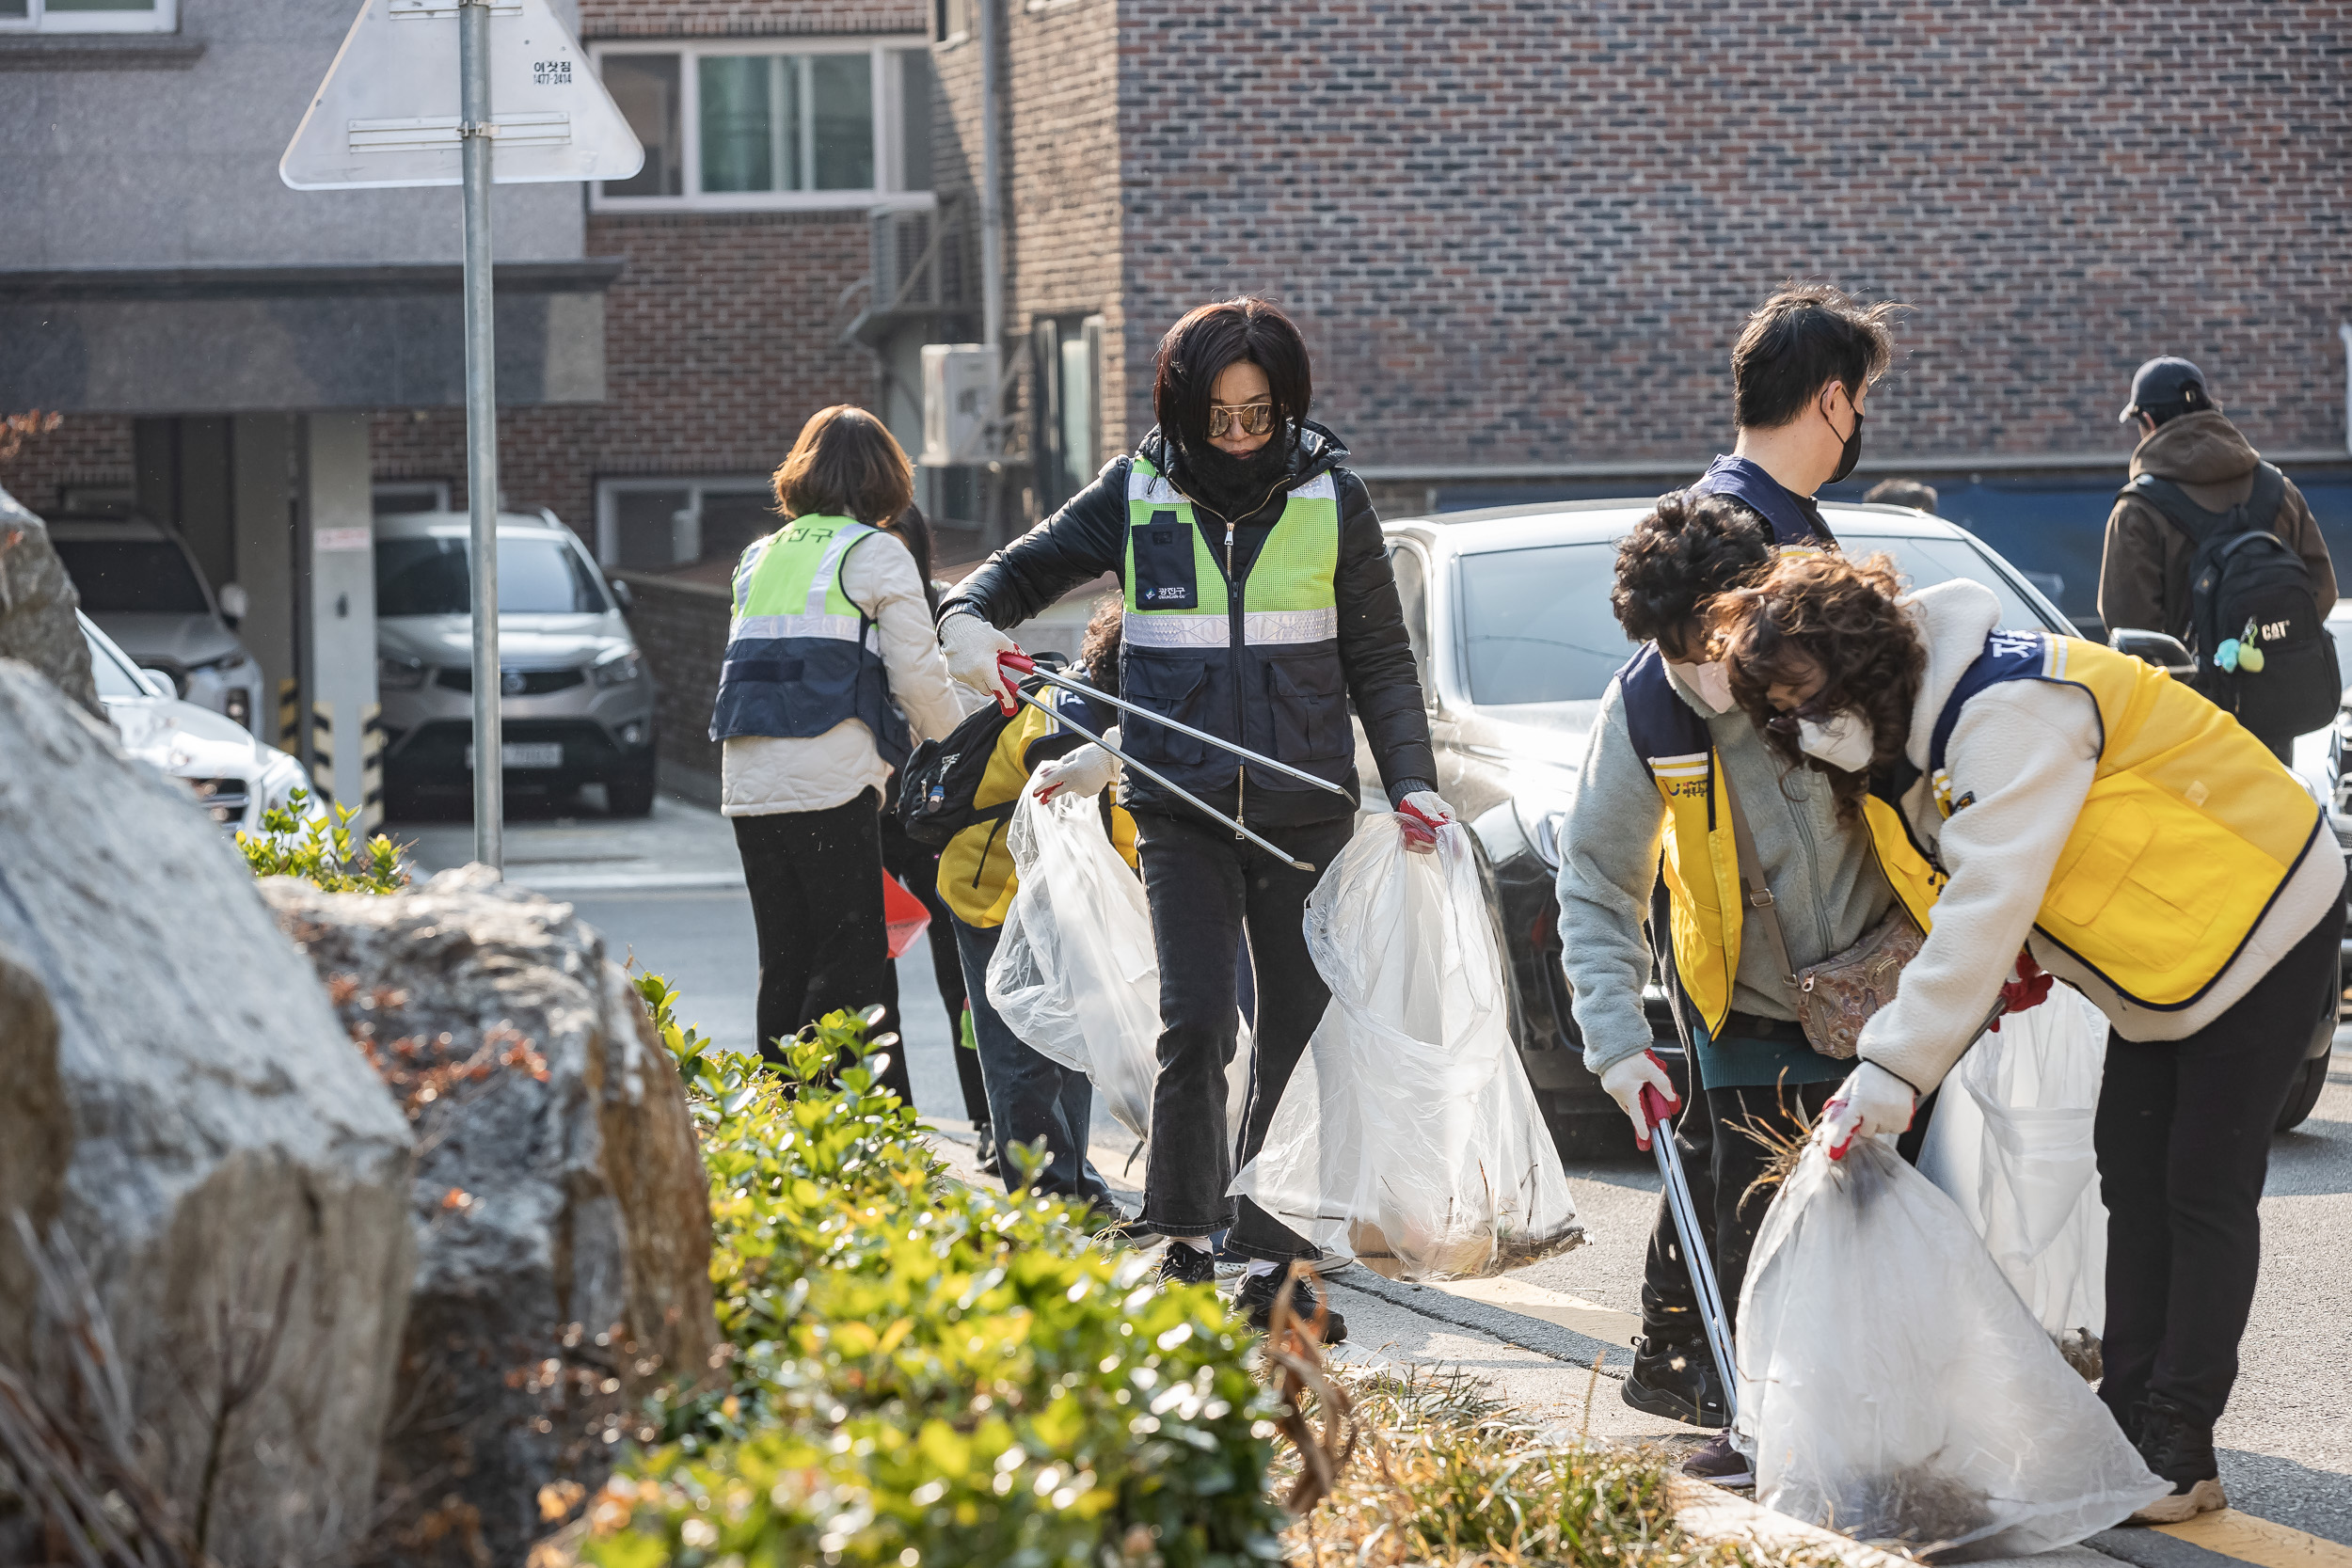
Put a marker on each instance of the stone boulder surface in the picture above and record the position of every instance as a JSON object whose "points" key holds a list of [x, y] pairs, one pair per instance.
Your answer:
{"points": [[185, 1115], [559, 1203], [38, 603]]}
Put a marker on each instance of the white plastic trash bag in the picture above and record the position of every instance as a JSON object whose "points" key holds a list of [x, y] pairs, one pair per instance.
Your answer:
{"points": [[1893, 1387], [1074, 973], [2010, 1143], [1407, 1135]]}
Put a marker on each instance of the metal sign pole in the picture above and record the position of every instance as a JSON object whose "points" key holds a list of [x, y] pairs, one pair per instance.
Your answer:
{"points": [[482, 437]]}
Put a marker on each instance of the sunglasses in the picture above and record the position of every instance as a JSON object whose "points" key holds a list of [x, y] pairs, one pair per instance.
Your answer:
{"points": [[1255, 418], [1820, 709]]}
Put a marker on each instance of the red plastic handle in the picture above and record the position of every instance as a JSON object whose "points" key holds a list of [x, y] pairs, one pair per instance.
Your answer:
{"points": [[1655, 1106], [1014, 658]]}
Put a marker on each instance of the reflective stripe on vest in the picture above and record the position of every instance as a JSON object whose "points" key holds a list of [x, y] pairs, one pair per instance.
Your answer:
{"points": [[802, 657], [2190, 830], [783, 589], [1290, 595], [1701, 856]]}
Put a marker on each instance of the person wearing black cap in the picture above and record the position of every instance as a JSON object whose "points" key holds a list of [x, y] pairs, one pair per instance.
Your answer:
{"points": [[2186, 439]]}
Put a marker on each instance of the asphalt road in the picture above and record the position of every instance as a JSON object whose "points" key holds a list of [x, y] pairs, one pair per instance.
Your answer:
{"points": [[667, 892]]}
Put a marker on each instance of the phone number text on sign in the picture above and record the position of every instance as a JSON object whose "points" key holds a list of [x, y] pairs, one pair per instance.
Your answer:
{"points": [[552, 74]]}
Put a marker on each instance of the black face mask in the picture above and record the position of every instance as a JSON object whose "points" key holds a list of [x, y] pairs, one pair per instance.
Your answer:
{"points": [[1852, 453], [1235, 487]]}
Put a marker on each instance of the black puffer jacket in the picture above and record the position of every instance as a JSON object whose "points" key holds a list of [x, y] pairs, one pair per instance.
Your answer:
{"points": [[1088, 537]]}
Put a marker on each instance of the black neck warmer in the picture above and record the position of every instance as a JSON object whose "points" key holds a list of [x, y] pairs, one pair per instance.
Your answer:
{"points": [[1233, 488]]}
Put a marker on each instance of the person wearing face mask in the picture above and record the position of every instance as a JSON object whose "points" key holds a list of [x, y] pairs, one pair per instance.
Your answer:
{"points": [[1669, 756], [1258, 601], [1800, 373], [2141, 846]]}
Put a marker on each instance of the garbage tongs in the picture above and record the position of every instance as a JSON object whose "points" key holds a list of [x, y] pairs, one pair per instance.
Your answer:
{"points": [[1696, 1251]]}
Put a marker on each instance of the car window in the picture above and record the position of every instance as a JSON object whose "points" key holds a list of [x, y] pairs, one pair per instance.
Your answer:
{"points": [[115, 678], [1412, 598], [1537, 626], [132, 576], [538, 575]]}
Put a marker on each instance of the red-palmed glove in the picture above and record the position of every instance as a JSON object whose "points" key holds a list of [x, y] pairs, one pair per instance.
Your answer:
{"points": [[2030, 989], [1422, 814], [1624, 1080], [1871, 1102]]}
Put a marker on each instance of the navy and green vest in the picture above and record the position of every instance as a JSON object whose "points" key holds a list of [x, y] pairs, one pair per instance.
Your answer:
{"points": [[1256, 661], [801, 656]]}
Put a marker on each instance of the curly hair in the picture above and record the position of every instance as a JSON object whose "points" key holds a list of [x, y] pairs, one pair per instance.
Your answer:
{"points": [[1099, 651], [1686, 550], [1837, 616]]}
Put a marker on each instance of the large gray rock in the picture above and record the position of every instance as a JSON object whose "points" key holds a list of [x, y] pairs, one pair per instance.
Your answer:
{"points": [[184, 1113], [559, 1200], [36, 605]]}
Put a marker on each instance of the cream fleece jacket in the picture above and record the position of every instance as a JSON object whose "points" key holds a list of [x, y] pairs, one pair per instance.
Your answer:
{"points": [[2029, 751], [760, 773]]}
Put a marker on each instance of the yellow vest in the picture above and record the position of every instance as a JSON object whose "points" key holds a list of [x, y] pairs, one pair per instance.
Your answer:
{"points": [[976, 875], [2190, 828], [1701, 862]]}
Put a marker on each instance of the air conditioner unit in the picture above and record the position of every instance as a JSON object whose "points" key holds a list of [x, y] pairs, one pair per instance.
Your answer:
{"points": [[961, 420]]}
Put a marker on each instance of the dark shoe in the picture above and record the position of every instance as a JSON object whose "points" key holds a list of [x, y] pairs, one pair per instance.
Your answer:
{"points": [[1717, 1463], [986, 1150], [1677, 1381], [1256, 1298], [1186, 1265], [2179, 1449]]}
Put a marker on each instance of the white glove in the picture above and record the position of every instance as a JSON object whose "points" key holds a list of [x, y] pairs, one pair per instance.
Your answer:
{"points": [[1626, 1079], [1087, 770], [1871, 1102], [1420, 831], [971, 646]]}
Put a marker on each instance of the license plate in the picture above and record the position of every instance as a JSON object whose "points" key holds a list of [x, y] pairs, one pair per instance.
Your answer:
{"points": [[526, 754]]}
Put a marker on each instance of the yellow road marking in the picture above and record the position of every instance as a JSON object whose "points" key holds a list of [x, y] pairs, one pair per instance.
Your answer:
{"points": [[2259, 1541], [1588, 1318]]}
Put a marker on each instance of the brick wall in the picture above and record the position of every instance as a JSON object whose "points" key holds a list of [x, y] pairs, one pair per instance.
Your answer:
{"points": [[88, 449], [681, 627], [1061, 155], [1521, 232], [611, 18]]}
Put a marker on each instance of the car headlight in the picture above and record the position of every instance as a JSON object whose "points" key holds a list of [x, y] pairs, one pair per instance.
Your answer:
{"points": [[399, 674], [619, 669]]}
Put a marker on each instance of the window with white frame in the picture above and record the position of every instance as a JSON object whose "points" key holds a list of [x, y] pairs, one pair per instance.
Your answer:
{"points": [[653, 524], [90, 16], [744, 123]]}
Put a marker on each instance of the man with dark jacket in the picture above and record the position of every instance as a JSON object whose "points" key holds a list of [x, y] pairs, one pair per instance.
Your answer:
{"points": [[2185, 437], [1259, 602]]}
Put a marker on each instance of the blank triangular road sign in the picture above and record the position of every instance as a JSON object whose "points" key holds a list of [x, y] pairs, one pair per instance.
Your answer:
{"points": [[388, 112]]}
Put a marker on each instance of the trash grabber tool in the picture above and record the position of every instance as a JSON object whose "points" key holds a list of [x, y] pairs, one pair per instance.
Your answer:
{"points": [[1696, 1252], [1182, 794], [1028, 666]]}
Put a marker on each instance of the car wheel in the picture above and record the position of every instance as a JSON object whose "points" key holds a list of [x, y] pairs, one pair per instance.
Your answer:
{"points": [[630, 794], [2305, 1094]]}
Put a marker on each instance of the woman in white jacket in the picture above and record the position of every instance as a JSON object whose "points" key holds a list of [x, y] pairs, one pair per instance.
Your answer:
{"points": [[2138, 845], [830, 673]]}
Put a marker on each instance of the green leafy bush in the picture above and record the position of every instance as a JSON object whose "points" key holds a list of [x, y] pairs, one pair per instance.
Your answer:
{"points": [[321, 850], [927, 1373]]}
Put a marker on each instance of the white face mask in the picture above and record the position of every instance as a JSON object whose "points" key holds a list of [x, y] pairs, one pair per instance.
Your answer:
{"points": [[1710, 681], [1845, 742]]}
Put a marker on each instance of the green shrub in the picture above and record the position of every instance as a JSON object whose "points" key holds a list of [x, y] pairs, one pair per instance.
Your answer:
{"points": [[321, 850], [923, 1371]]}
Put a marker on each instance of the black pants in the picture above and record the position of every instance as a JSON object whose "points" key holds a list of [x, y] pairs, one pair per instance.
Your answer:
{"points": [[1205, 886], [1722, 1157], [2183, 1139], [817, 899], [917, 866]]}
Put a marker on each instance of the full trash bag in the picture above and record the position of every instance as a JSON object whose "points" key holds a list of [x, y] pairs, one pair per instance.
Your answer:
{"points": [[1893, 1387], [2010, 1144], [1407, 1135], [1074, 975]]}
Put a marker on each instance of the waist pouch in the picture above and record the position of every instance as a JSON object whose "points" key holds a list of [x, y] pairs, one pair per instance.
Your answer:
{"points": [[1834, 998]]}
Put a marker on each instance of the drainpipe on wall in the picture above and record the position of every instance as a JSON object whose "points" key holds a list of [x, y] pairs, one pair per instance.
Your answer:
{"points": [[993, 251], [2343, 331]]}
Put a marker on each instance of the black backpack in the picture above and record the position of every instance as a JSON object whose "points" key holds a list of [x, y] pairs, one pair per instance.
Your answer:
{"points": [[937, 784], [2248, 586]]}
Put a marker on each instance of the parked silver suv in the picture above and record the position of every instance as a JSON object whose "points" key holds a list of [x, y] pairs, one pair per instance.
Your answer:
{"points": [[577, 700], [141, 584]]}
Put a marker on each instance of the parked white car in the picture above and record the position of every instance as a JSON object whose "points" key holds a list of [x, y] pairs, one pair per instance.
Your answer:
{"points": [[139, 582], [234, 776]]}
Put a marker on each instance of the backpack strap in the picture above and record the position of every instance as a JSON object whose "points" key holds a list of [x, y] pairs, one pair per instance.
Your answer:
{"points": [[2256, 514]]}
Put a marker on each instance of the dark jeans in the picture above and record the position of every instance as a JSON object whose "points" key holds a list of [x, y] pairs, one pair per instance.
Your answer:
{"points": [[917, 866], [1029, 1096], [1205, 886], [2183, 1138], [816, 900]]}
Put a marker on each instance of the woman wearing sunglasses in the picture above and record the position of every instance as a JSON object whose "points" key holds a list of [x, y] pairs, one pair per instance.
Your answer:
{"points": [[1258, 601], [2137, 844]]}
